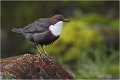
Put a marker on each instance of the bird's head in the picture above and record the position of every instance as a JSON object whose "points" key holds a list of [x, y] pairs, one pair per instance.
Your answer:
{"points": [[56, 18]]}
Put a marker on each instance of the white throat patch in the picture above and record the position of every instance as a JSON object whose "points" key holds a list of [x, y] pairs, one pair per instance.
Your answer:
{"points": [[56, 29]]}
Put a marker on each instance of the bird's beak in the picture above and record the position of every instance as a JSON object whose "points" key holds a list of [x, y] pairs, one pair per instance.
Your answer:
{"points": [[66, 20]]}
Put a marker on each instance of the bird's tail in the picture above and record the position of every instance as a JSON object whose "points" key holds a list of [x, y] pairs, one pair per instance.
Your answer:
{"points": [[17, 30]]}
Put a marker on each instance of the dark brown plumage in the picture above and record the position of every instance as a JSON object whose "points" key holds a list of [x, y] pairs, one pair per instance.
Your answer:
{"points": [[40, 31]]}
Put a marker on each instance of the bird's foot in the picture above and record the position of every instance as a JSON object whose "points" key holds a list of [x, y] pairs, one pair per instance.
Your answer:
{"points": [[36, 58], [45, 54]]}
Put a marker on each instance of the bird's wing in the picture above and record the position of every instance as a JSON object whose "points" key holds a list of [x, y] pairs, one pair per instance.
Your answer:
{"points": [[40, 25]]}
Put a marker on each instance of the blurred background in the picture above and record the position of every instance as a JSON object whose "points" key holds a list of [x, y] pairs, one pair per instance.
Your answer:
{"points": [[89, 44]]}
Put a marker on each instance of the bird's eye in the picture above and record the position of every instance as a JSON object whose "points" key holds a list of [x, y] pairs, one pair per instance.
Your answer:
{"points": [[58, 19]]}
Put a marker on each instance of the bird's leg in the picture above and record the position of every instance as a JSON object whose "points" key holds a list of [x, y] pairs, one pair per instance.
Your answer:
{"points": [[38, 48], [43, 49]]}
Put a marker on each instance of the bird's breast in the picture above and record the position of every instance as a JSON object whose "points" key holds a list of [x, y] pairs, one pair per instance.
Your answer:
{"points": [[47, 39], [51, 37]]}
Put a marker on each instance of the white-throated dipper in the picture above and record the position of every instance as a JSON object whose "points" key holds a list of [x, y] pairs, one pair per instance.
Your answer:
{"points": [[43, 31]]}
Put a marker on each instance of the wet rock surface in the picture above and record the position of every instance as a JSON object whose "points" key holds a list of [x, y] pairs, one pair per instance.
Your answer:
{"points": [[30, 66]]}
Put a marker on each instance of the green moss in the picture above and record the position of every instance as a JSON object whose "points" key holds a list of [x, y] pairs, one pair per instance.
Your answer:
{"points": [[71, 54], [87, 76], [113, 70], [9, 76], [115, 24]]}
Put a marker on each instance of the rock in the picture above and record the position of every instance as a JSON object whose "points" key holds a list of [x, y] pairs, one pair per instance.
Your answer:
{"points": [[29, 66]]}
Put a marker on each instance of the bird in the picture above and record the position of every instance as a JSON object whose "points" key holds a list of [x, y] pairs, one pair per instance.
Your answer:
{"points": [[43, 31]]}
